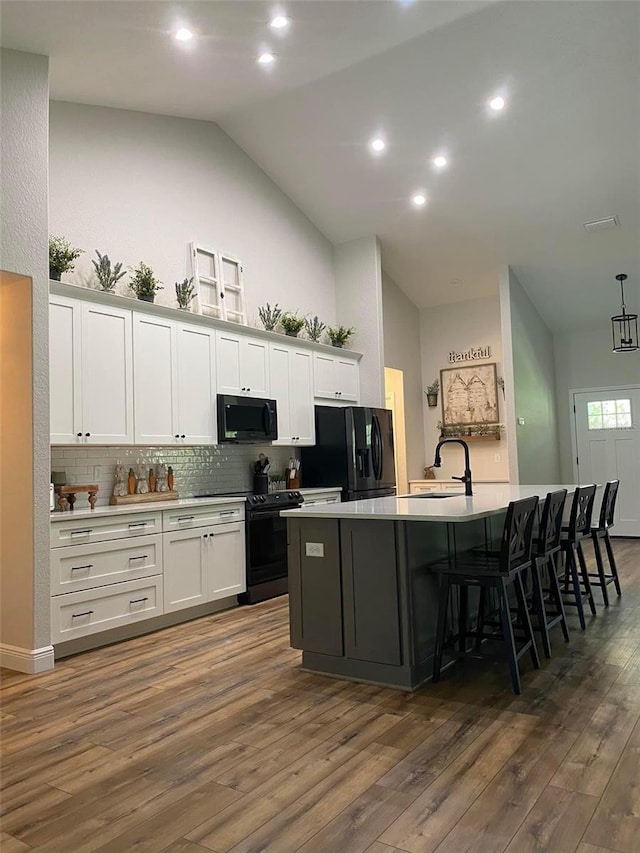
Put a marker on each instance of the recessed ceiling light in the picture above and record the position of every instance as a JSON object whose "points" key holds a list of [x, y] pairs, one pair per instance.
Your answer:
{"points": [[378, 144], [440, 161], [266, 58], [419, 200], [183, 34], [280, 22], [498, 103]]}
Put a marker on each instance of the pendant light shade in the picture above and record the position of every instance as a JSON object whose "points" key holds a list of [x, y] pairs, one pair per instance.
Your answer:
{"points": [[624, 326]]}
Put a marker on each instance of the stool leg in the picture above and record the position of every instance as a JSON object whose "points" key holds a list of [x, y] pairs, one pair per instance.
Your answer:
{"points": [[577, 592], [510, 643], [554, 585], [526, 621], [538, 602], [443, 605], [480, 619], [585, 578], [612, 562], [462, 618], [601, 575]]}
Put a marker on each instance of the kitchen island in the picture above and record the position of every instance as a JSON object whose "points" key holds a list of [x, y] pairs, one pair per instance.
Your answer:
{"points": [[363, 598]]}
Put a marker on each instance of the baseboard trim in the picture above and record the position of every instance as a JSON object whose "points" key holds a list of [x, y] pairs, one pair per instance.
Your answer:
{"points": [[31, 661]]}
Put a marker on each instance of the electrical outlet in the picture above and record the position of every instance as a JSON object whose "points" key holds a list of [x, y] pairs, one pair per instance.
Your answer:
{"points": [[497, 458], [314, 549]]}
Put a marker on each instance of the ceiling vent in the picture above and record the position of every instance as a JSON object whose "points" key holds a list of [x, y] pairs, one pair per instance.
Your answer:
{"points": [[602, 224]]}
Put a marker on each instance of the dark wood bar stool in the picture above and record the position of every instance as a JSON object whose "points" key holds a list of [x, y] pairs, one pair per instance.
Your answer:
{"points": [[572, 535], [546, 595], [500, 573], [605, 523]]}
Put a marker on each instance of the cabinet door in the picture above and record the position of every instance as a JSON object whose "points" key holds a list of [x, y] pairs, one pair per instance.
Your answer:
{"points": [[154, 362], [254, 367], [279, 369], [185, 555], [303, 424], [227, 574], [196, 384], [347, 379], [65, 360], [228, 363], [107, 375], [324, 370]]}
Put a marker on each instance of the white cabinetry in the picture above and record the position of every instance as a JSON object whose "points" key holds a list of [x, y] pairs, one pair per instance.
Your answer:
{"points": [[185, 563], [292, 387], [336, 378], [91, 373], [312, 498], [174, 368], [242, 365]]}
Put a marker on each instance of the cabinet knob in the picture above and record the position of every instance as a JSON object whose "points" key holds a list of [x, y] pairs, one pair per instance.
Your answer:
{"points": [[176, 436], [205, 535], [243, 389], [183, 436], [87, 434], [79, 434], [248, 389]]}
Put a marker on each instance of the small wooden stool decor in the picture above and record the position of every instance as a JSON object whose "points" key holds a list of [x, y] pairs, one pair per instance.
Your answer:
{"points": [[67, 495]]}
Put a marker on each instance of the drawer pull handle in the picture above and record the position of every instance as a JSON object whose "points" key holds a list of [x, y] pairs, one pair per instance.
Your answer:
{"points": [[78, 615], [139, 600], [137, 524], [228, 512], [139, 557], [81, 568], [185, 518], [81, 532]]}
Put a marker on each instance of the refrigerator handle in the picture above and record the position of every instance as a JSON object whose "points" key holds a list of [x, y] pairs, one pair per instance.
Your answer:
{"points": [[362, 457], [377, 449]]}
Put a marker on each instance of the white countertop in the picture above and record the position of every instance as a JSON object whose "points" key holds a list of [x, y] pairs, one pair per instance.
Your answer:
{"points": [[152, 506], [487, 500], [319, 490]]}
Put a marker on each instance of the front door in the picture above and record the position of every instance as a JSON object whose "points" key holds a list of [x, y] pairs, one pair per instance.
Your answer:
{"points": [[607, 432]]}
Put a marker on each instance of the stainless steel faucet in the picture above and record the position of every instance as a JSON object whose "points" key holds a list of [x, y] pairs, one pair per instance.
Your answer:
{"points": [[467, 469]]}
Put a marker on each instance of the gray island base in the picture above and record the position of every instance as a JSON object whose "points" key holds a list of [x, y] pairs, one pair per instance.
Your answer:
{"points": [[363, 599]]}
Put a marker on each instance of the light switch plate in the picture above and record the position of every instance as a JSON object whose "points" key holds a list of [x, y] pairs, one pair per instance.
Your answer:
{"points": [[314, 549]]}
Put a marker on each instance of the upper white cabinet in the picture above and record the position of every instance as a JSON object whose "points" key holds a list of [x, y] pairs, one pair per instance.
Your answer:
{"points": [[292, 387], [336, 377], [196, 384], [91, 373], [242, 365]]}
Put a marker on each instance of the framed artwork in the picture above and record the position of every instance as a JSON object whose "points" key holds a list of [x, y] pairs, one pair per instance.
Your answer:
{"points": [[469, 395]]}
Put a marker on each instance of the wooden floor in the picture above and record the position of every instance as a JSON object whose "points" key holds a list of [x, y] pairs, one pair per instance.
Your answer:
{"points": [[208, 736]]}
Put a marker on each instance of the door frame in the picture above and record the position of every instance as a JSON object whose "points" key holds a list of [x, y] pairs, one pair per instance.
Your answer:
{"points": [[572, 416]]}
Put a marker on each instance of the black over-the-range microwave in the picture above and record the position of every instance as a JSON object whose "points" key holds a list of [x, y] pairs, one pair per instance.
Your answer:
{"points": [[246, 420]]}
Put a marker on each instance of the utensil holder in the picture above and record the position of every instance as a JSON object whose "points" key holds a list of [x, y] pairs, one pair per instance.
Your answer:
{"points": [[261, 484]]}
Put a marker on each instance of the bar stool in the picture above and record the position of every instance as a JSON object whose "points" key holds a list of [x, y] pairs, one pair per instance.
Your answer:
{"points": [[572, 535], [605, 523], [477, 569], [546, 594]]}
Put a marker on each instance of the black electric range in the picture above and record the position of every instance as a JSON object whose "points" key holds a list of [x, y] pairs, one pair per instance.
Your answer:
{"points": [[266, 543]]}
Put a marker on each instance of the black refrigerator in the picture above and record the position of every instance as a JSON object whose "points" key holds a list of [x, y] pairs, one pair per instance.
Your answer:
{"points": [[353, 450]]}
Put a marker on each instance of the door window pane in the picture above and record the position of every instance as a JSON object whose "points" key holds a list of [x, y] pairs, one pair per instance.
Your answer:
{"points": [[609, 414]]}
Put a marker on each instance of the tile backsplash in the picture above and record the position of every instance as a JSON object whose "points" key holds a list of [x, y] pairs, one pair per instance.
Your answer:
{"points": [[197, 470]]}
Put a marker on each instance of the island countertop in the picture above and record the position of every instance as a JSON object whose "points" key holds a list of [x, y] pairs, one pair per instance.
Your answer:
{"points": [[487, 500]]}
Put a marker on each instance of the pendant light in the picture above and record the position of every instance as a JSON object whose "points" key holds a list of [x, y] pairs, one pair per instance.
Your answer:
{"points": [[624, 326]]}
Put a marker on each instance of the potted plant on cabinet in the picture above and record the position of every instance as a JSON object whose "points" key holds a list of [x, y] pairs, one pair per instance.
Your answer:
{"points": [[108, 276], [339, 335], [61, 257], [144, 283], [291, 324], [432, 394], [269, 317], [184, 293], [314, 328]]}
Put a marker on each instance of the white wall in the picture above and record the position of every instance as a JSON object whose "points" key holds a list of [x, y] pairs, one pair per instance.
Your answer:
{"points": [[24, 228], [141, 187], [458, 327], [529, 343], [583, 359], [401, 320], [358, 272]]}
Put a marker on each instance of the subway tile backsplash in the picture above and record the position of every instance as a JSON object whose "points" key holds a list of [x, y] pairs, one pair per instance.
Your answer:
{"points": [[218, 469]]}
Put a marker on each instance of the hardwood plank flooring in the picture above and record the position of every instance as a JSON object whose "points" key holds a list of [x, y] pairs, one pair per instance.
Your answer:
{"points": [[208, 738]]}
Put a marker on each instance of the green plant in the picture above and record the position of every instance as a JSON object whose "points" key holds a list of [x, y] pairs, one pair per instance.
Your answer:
{"points": [[108, 276], [339, 335], [269, 317], [61, 256], [433, 388], [314, 328], [291, 323], [184, 292], [144, 283]]}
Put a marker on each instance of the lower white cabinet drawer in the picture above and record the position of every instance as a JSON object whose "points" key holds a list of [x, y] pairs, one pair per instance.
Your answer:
{"points": [[81, 567], [84, 529], [330, 499], [80, 613], [187, 519]]}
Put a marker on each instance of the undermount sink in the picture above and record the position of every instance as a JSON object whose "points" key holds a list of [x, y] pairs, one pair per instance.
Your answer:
{"points": [[433, 496]]}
